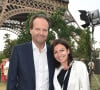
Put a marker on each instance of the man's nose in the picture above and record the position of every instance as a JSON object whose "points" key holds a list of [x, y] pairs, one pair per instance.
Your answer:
{"points": [[41, 32]]}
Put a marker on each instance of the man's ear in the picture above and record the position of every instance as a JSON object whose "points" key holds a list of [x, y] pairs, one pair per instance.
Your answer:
{"points": [[30, 31]]}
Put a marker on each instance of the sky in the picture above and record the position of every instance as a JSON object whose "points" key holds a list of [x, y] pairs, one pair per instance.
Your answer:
{"points": [[74, 6]]}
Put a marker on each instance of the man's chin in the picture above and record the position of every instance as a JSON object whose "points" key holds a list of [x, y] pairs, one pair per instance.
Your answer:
{"points": [[41, 42]]}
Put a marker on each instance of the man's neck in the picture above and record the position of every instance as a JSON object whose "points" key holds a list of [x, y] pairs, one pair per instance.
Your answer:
{"points": [[40, 46]]}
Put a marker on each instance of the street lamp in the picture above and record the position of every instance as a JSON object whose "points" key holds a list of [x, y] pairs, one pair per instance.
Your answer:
{"points": [[91, 18], [94, 17], [84, 16]]}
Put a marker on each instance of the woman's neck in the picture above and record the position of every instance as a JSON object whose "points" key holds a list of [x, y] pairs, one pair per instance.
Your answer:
{"points": [[65, 65]]}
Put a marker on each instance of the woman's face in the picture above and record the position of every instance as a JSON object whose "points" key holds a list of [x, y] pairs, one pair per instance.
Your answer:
{"points": [[61, 53]]}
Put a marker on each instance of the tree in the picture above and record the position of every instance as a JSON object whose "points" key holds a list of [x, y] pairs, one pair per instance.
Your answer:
{"points": [[8, 46], [24, 35], [58, 25], [2, 56], [63, 30], [84, 45]]}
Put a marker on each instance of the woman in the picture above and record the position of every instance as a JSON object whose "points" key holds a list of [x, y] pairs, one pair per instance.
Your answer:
{"points": [[69, 74]]}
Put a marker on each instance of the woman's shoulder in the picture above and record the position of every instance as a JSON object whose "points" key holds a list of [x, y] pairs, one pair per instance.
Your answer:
{"points": [[79, 64]]}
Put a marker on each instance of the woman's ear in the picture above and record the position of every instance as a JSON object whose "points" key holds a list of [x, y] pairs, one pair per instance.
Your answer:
{"points": [[68, 51]]}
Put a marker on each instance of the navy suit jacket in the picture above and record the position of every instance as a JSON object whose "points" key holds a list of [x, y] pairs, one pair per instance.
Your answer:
{"points": [[21, 74]]}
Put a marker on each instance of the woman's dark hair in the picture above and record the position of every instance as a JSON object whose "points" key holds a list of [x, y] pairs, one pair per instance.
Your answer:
{"points": [[62, 42]]}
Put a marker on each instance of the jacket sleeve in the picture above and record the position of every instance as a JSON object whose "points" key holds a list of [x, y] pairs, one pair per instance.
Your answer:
{"points": [[12, 72], [84, 78]]}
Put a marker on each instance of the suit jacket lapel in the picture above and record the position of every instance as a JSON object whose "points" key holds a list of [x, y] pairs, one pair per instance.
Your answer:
{"points": [[31, 61], [50, 64], [72, 78]]}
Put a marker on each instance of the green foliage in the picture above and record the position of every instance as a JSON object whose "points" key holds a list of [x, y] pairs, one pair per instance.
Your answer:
{"points": [[84, 45], [59, 26], [51, 36], [24, 35], [63, 31], [8, 46], [60, 11], [2, 56]]}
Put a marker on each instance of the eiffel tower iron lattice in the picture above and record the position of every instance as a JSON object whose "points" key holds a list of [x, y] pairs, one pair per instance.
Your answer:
{"points": [[13, 13]]}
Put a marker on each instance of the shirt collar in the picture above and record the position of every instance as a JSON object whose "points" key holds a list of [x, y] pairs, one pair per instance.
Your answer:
{"points": [[36, 48]]}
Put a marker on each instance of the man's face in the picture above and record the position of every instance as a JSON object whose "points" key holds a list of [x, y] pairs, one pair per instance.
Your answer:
{"points": [[40, 31]]}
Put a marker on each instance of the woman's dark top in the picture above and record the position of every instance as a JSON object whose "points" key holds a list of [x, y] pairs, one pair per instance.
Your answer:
{"points": [[64, 81]]}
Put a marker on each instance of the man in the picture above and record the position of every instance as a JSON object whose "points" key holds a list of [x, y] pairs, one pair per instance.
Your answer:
{"points": [[31, 64]]}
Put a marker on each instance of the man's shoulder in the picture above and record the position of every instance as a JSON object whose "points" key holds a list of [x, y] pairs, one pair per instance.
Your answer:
{"points": [[48, 46], [23, 45]]}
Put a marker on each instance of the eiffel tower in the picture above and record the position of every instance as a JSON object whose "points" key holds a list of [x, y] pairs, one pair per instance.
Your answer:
{"points": [[13, 13]]}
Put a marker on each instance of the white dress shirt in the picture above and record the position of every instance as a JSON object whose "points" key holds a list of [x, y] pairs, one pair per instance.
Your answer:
{"points": [[41, 68]]}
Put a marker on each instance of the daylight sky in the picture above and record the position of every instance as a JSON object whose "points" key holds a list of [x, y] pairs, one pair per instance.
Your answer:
{"points": [[74, 6]]}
